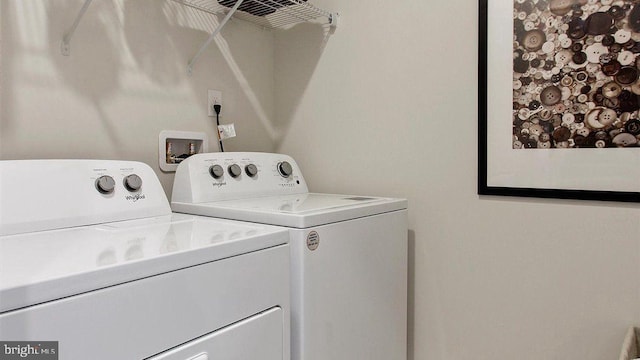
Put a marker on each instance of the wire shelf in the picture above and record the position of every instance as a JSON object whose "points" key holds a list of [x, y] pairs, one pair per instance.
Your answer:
{"points": [[270, 14]]}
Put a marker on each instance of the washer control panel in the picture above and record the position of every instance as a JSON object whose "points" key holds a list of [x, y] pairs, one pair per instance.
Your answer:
{"points": [[76, 193], [225, 176]]}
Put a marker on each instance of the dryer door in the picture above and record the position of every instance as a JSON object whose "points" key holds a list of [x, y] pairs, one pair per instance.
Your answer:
{"points": [[258, 337]]}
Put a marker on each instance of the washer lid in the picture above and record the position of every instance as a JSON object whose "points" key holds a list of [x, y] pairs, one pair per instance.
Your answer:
{"points": [[299, 211], [48, 265]]}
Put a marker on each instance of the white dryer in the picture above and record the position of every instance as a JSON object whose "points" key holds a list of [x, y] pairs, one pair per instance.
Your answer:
{"points": [[92, 258], [348, 253]]}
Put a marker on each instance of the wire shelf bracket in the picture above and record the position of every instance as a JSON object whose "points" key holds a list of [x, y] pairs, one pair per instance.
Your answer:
{"points": [[213, 35], [65, 45]]}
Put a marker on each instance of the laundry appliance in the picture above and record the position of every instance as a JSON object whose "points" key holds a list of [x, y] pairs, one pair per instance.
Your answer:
{"points": [[94, 263], [348, 253]]}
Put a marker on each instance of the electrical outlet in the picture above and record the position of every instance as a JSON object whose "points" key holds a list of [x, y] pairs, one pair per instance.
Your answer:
{"points": [[213, 97]]}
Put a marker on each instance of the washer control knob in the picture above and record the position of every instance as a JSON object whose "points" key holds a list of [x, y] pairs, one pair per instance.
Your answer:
{"points": [[285, 169], [216, 171], [133, 182], [105, 184], [251, 170], [235, 170]]}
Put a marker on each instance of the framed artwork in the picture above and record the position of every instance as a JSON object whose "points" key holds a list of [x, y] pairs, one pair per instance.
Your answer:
{"points": [[559, 99]]}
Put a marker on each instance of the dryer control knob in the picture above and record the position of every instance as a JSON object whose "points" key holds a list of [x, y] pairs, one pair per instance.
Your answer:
{"points": [[133, 182], [251, 170], [105, 184], [216, 171], [235, 170], [285, 169]]}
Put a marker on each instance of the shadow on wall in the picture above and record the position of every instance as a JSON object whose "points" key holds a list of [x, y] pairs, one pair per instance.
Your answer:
{"points": [[298, 51], [411, 279], [147, 31], [303, 44], [26, 48], [102, 68], [92, 70], [144, 19]]}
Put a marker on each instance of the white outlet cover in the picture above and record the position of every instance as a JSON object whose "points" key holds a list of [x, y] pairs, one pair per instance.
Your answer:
{"points": [[213, 97]]}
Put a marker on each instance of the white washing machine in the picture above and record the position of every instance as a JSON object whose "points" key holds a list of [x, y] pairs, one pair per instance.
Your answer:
{"points": [[348, 253], [91, 257]]}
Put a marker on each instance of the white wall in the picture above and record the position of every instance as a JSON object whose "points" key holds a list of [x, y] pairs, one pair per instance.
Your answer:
{"points": [[126, 80], [388, 107]]}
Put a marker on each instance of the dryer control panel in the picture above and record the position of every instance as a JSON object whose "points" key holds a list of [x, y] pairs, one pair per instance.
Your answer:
{"points": [[40, 195], [227, 176]]}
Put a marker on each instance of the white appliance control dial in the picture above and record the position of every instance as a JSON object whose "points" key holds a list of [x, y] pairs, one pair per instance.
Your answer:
{"points": [[235, 170], [105, 184], [251, 170], [132, 182], [216, 171], [285, 169]]}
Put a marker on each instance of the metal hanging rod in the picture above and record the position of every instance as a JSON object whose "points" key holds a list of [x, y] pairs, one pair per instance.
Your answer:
{"points": [[65, 46]]}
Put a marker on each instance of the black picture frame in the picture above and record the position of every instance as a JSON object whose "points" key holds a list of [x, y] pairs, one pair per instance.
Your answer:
{"points": [[483, 186]]}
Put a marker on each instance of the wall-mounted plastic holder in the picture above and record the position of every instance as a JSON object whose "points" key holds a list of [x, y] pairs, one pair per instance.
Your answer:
{"points": [[175, 146]]}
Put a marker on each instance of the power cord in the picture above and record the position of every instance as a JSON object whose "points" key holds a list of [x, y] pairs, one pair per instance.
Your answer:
{"points": [[217, 108]]}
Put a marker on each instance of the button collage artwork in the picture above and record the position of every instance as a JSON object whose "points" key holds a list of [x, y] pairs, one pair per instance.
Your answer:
{"points": [[576, 74]]}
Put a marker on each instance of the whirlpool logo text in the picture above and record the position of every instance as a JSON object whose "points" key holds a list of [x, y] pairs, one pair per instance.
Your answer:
{"points": [[135, 197]]}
